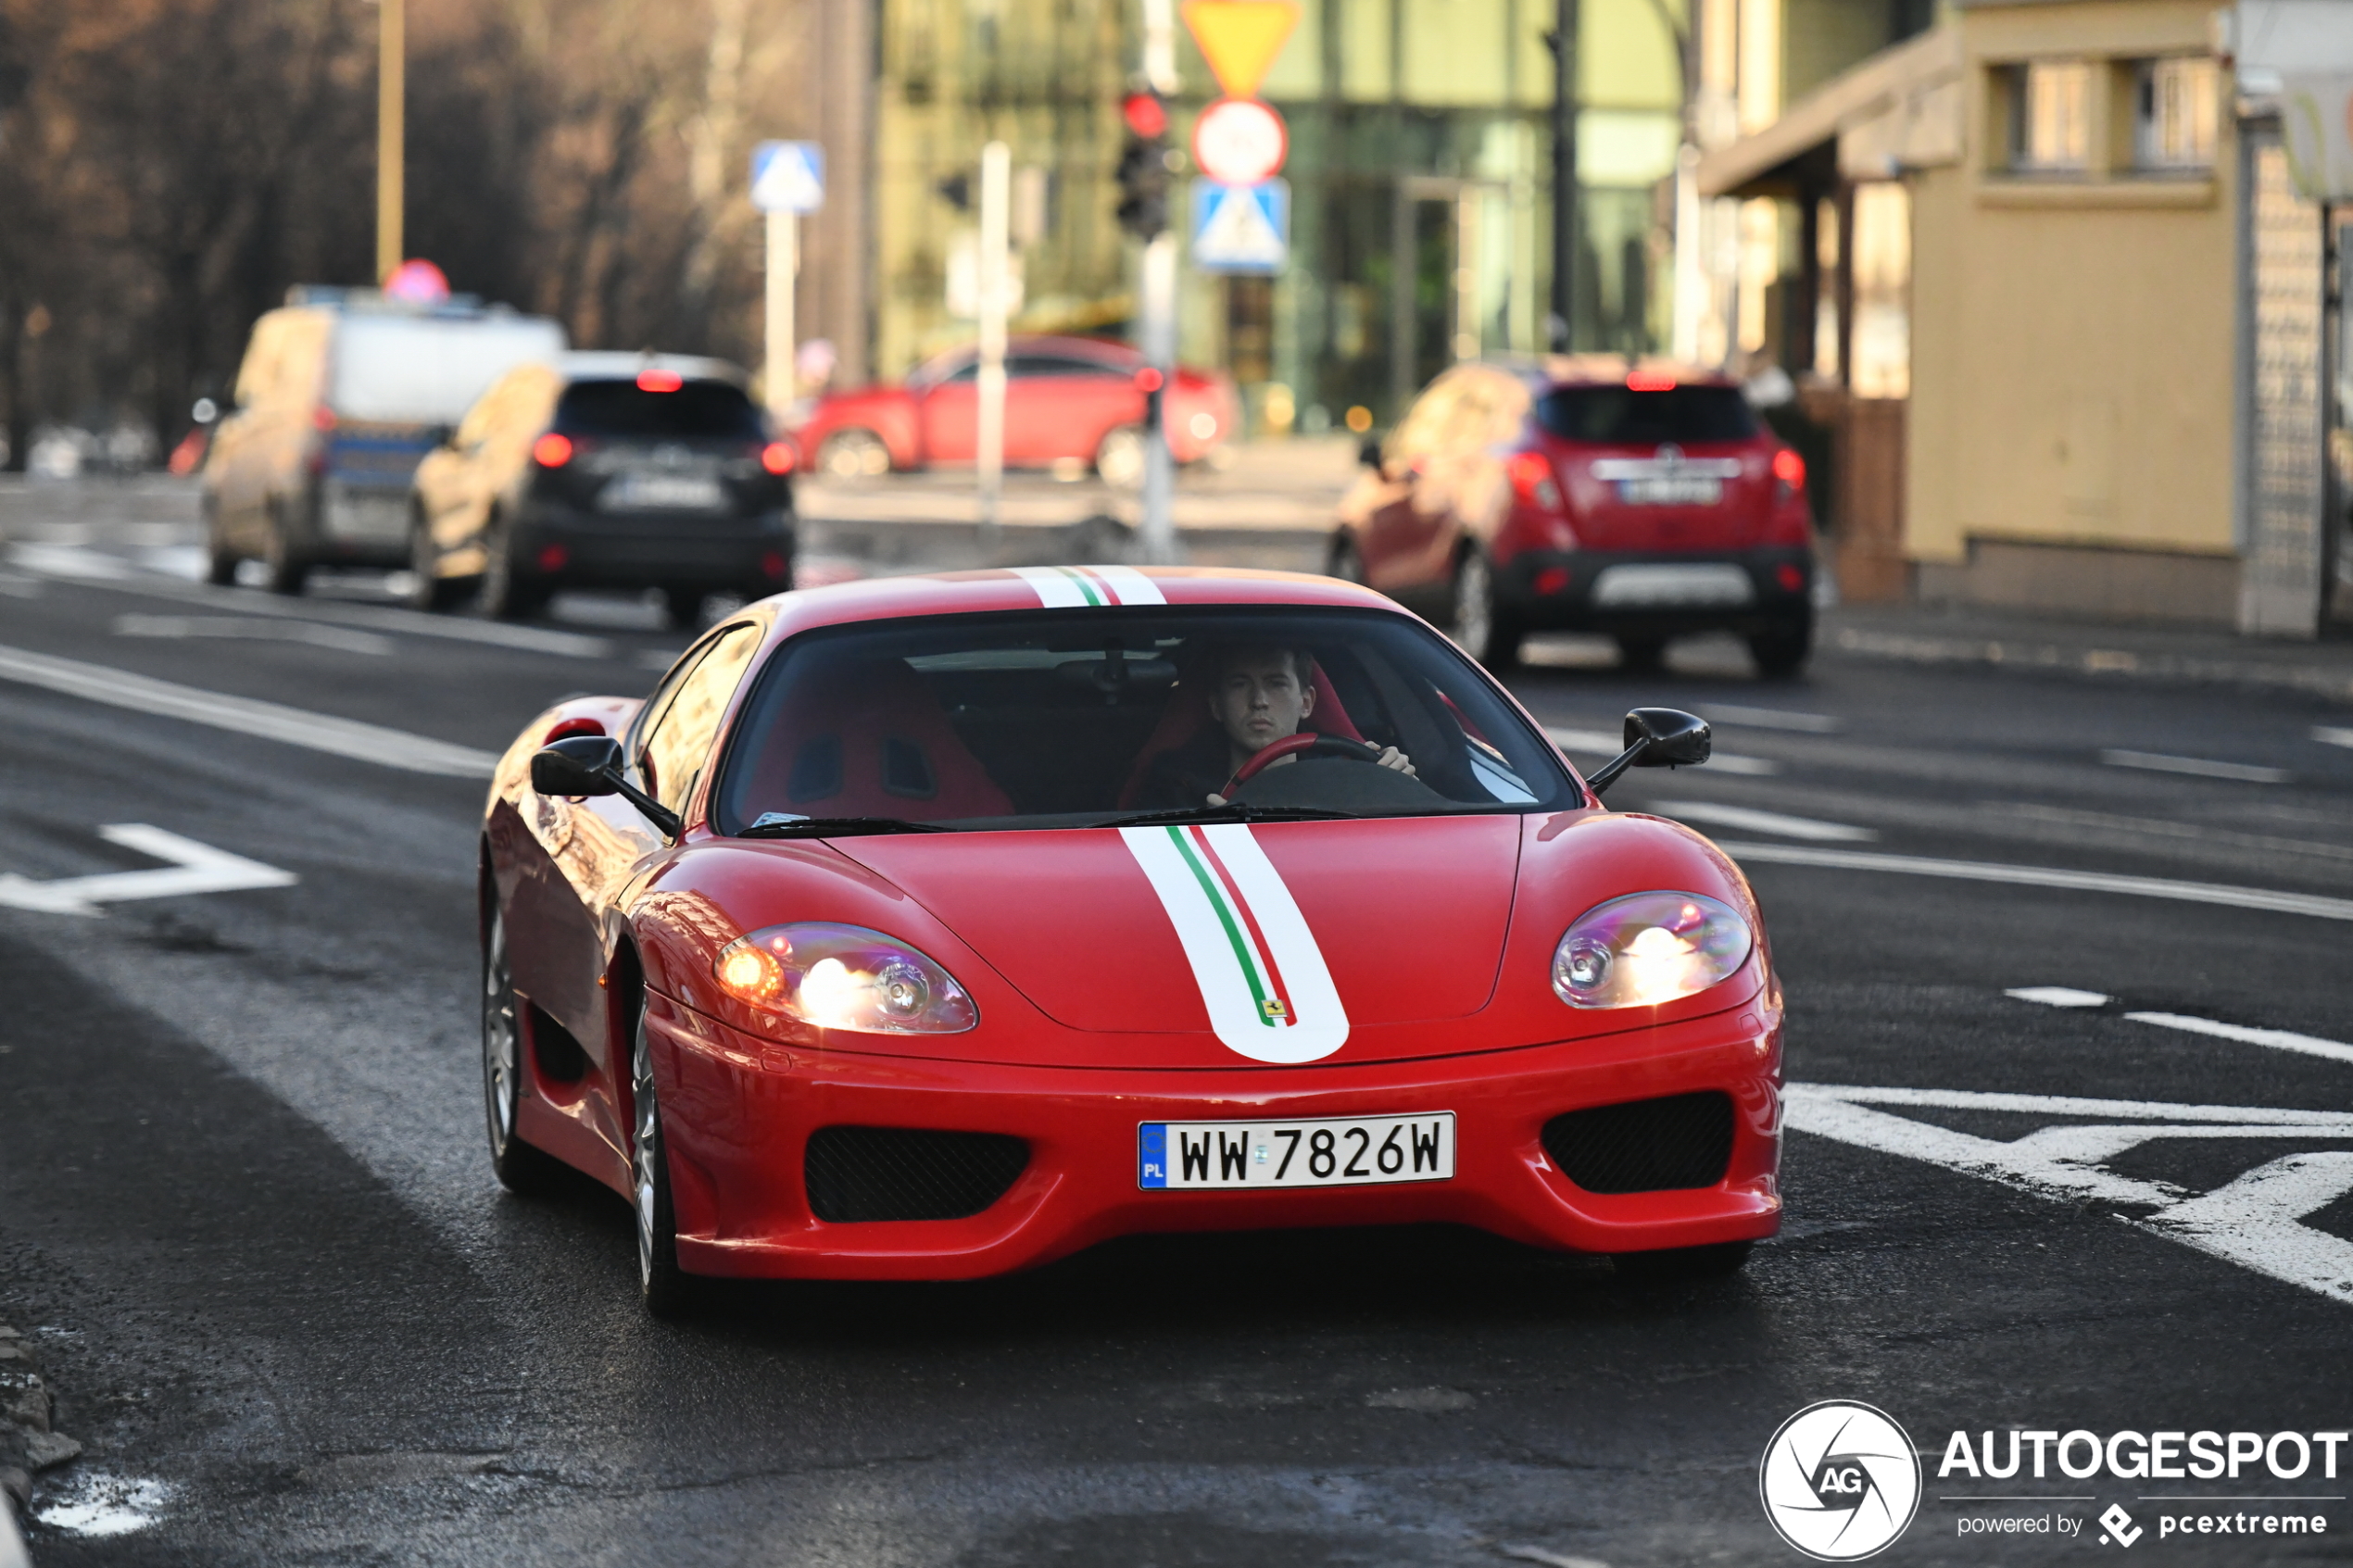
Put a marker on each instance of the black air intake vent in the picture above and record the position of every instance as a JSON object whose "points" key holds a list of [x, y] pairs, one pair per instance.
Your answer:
{"points": [[857, 1173], [1646, 1144]]}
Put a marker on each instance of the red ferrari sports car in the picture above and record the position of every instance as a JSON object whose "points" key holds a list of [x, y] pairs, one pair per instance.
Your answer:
{"points": [[931, 927]]}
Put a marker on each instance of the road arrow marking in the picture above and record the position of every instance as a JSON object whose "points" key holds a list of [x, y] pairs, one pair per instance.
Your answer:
{"points": [[196, 867]]}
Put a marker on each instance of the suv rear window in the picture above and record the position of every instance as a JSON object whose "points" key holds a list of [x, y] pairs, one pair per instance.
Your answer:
{"points": [[1617, 416], [698, 409]]}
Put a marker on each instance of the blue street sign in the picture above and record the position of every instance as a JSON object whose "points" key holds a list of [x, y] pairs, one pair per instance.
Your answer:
{"points": [[1242, 228], [788, 176]]}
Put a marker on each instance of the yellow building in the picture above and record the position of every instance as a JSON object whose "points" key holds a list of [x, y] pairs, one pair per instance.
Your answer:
{"points": [[2092, 383]]}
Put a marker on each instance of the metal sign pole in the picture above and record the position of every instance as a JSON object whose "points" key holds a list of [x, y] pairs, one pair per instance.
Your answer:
{"points": [[1158, 313], [996, 201], [392, 74], [783, 263]]}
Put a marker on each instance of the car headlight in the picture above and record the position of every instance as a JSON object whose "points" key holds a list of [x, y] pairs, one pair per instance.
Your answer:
{"points": [[844, 977], [1646, 948]]}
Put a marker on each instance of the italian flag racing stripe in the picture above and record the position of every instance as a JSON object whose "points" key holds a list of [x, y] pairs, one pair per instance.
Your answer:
{"points": [[1075, 587], [1262, 977]]}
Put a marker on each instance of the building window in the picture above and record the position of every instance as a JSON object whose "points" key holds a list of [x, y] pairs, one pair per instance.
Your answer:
{"points": [[2174, 114], [2050, 116]]}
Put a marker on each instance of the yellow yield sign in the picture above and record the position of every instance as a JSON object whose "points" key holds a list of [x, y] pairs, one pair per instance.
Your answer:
{"points": [[1240, 38]]}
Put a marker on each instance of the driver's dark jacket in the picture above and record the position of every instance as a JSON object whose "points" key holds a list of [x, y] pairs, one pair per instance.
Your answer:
{"points": [[1188, 775]]}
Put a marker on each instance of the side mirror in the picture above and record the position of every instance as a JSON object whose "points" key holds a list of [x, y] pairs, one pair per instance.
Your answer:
{"points": [[578, 765], [440, 435], [1370, 453], [591, 765], [1657, 738]]}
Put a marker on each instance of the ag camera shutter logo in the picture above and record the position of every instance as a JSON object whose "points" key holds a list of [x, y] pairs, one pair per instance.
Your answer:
{"points": [[1840, 1481]]}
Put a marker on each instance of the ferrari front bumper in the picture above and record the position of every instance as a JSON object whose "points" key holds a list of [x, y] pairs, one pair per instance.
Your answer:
{"points": [[737, 1114]]}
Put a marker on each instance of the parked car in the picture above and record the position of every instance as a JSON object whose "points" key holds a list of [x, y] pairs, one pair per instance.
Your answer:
{"points": [[605, 470], [1067, 401], [337, 399], [1646, 501]]}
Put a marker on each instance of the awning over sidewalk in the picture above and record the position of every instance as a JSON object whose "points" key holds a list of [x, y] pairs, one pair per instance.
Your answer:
{"points": [[1899, 110]]}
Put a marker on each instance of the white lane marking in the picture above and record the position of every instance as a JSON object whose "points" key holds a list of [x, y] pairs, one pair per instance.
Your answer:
{"points": [[1763, 822], [17, 587], [96, 1504], [2278, 1039], [2254, 1221], [118, 576], [1773, 719], [343, 639], [69, 560], [2329, 734], [196, 867], [2199, 767], [2047, 876], [271, 721], [1602, 743], [2059, 996]]}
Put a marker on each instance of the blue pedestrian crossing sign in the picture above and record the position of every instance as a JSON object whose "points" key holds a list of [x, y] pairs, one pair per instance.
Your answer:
{"points": [[1242, 228], [788, 176]]}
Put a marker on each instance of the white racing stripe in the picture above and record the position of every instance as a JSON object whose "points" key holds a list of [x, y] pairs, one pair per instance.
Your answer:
{"points": [[2310, 904], [271, 721], [1077, 588], [2255, 1221], [1261, 974], [1763, 822]]}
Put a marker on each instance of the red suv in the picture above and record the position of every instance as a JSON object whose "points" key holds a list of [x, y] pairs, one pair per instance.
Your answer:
{"points": [[1644, 501]]}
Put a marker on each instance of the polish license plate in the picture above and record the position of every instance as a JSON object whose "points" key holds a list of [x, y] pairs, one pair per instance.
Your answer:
{"points": [[1319, 1152], [638, 492], [1670, 491]]}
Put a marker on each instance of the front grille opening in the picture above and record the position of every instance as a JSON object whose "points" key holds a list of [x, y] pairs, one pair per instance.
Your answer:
{"points": [[860, 1173], [560, 1056], [1666, 1144]]}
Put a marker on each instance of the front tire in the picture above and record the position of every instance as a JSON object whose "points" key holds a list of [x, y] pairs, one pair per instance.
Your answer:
{"points": [[682, 608], [519, 1167], [1482, 628], [431, 591], [668, 1290], [221, 561], [1348, 562], [506, 593]]}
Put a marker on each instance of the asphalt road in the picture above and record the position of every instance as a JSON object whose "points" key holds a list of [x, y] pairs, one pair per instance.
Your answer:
{"points": [[246, 1219]]}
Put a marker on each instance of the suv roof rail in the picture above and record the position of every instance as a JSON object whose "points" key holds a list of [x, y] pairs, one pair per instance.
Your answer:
{"points": [[336, 296]]}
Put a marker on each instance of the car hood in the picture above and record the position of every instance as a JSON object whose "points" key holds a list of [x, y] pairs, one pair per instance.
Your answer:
{"points": [[1283, 939]]}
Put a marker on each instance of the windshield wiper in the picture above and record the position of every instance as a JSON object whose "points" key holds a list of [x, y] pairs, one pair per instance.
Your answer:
{"points": [[1232, 811], [779, 825]]}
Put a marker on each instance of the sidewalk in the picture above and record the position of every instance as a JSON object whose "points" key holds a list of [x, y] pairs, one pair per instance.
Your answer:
{"points": [[2192, 656]]}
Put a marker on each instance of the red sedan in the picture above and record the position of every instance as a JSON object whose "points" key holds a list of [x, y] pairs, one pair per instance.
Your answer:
{"points": [[1067, 401], [932, 927], [1646, 501]]}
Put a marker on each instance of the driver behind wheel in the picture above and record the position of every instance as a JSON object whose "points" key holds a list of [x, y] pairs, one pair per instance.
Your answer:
{"points": [[1257, 695]]}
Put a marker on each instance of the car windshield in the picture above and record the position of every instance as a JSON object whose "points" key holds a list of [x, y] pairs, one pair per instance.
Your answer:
{"points": [[1619, 416], [1079, 717], [695, 409], [429, 369]]}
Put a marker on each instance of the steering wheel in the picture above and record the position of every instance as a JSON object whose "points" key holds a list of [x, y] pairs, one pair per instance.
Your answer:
{"points": [[1292, 745]]}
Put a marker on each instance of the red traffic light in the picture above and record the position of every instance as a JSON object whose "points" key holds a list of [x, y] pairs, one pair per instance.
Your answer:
{"points": [[1145, 114]]}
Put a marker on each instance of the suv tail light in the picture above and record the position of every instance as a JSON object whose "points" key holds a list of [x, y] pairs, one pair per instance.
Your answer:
{"points": [[1533, 482], [778, 457], [1789, 474], [551, 451]]}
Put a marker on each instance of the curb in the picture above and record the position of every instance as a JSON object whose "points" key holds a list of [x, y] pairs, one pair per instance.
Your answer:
{"points": [[2031, 656]]}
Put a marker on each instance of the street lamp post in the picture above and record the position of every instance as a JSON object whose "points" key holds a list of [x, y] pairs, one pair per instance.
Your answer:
{"points": [[1564, 42], [392, 58]]}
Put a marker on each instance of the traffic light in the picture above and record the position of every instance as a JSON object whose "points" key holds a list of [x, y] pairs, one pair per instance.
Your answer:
{"points": [[1143, 165]]}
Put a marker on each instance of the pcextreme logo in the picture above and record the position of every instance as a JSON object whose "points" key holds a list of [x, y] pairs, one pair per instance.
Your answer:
{"points": [[1840, 1481]]}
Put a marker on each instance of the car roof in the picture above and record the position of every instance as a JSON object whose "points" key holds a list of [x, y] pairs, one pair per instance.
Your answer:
{"points": [[998, 590], [1042, 342], [609, 365], [1605, 369]]}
